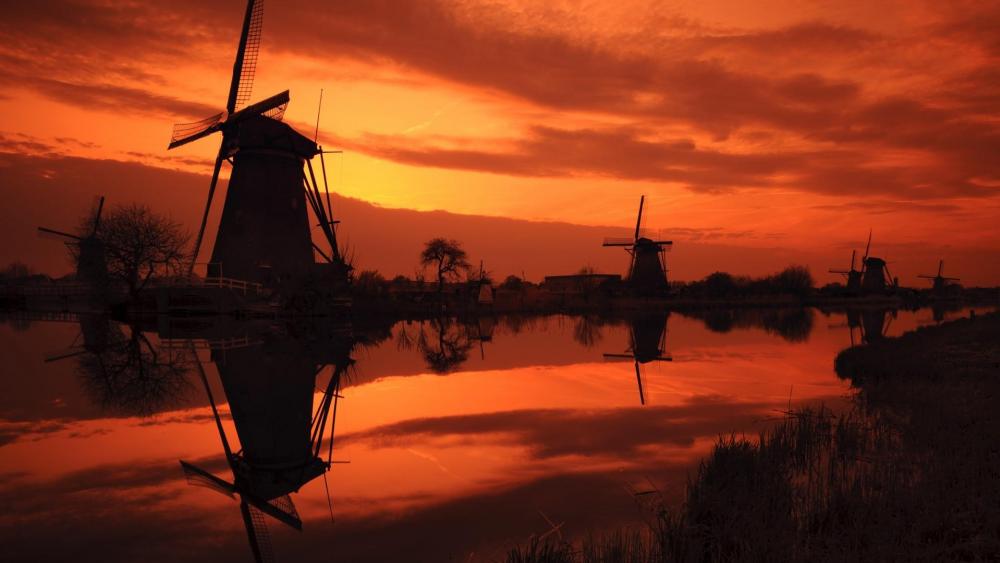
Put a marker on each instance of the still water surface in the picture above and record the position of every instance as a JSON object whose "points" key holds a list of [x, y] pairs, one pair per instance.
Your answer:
{"points": [[453, 440]]}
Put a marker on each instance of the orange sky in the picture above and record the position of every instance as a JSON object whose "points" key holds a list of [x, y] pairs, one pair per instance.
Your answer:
{"points": [[780, 128]]}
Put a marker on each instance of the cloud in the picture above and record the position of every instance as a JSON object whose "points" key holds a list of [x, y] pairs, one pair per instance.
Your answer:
{"points": [[617, 433], [640, 154]]}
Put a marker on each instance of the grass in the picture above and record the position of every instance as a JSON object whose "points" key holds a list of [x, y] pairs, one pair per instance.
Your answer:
{"points": [[910, 473]]}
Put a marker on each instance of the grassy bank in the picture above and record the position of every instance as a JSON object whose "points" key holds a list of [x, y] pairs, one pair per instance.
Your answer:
{"points": [[911, 473]]}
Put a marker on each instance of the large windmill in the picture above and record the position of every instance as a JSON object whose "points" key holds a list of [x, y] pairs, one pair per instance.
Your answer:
{"points": [[647, 343], [91, 265], [853, 276], [940, 283], [264, 234], [281, 437], [647, 274]]}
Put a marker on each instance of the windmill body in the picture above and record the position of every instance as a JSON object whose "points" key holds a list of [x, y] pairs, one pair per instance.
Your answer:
{"points": [[647, 274], [264, 233], [875, 278], [91, 259]]}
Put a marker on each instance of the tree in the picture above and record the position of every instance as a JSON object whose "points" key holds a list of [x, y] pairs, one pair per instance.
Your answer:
{"points": [[445, 255], [139, 245]]}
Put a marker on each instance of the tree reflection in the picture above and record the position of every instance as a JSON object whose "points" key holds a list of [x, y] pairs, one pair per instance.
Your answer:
{"points": [[444, 343], [793, 325], [123, 371]]}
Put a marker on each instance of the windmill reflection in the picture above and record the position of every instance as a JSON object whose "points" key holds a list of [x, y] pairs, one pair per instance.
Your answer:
{"points": [[872, 325], [647, 337], [269, 385]]}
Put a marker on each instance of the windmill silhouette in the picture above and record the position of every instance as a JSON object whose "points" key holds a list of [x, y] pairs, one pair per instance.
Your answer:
{"points": [[264, 234], [875, 276], [282, 443], [647, 343], [940, 284], [647, 274], [853, 276], [91, 263]]}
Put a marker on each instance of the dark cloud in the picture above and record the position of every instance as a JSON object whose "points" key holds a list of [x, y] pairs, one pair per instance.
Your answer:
{"points": [[618, 433], [633, 153]]}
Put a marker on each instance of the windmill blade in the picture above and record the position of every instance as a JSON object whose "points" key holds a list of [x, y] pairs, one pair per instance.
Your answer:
{"points": [[45, 231], [208, 206], [638, 378], [273, 107], [638, 220], [666, 244], [867, 247], [185, 133], [97, 216], [281, 509], [618, 241], [853, 254], [940, 268], [200, 478], [618, 357], [260, 540], [245, 65], [64, 355]]}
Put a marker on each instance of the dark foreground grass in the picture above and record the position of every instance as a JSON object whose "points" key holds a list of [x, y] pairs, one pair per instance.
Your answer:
{"points": [[911, 473]]}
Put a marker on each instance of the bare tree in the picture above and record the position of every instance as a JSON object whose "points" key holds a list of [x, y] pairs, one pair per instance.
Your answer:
{"points": [[139, 245], [445, 255]]}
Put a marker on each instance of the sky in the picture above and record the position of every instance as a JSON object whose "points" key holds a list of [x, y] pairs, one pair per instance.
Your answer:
{"points": [[761, 135]]}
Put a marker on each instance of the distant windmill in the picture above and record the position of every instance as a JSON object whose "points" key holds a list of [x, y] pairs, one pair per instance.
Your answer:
{"points": [[647, 272], [91, 266], [853, 276], [264, 234], [940, 283], [647, 343], [875, 276]]}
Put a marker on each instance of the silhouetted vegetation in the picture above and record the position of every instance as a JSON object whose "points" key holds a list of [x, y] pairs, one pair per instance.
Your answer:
{"points": [[794, 280], [447, 258], [139, 245]]}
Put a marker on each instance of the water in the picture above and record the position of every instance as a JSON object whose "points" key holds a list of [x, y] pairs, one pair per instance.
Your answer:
{"points": [[458, 439]]}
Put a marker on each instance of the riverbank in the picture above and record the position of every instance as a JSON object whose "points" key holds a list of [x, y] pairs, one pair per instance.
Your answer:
{"points": [[910, 473]]}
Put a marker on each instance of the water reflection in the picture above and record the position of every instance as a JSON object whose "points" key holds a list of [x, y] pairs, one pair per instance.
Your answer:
{"points": [[270, 385], [647, 343], [792, 324], [122, 370], [533, 420]]}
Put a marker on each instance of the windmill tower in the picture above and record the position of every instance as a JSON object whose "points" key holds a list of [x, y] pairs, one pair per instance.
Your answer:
{"points": [[940, 284], [91, 265], [264, 234], [647, 274], [853, 276], [270, 393], [875, 276], [647, 343]]}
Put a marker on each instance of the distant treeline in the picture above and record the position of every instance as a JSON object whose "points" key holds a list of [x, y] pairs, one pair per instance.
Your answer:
{"points": [[793, 280]]}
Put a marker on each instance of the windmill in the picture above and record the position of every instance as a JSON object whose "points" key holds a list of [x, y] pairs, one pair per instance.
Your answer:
{"points": [[647, 343], [647, 274], [91, 266], [875, 277], [282, 443], [940, 283], [853, 276], [264, 234]]}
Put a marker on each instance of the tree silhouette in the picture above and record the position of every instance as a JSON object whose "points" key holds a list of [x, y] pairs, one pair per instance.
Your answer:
{"points": [[446, 256], [139, 245]]}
